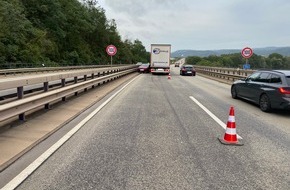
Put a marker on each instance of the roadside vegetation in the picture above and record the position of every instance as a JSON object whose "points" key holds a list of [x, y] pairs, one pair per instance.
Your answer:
{"points": [[34, 33], [273, 61]]}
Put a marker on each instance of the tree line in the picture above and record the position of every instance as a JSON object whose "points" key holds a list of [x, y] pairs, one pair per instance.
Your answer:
{"points": [[61, 33], [273, 61]]}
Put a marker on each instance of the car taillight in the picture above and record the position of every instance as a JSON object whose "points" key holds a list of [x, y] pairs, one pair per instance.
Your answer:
{"points": [[284, 90], [152, 70], [183, 69]]}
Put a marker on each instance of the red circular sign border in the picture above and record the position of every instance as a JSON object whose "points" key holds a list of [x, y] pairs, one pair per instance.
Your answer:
{"points": [[247, 48], [109, 53]]}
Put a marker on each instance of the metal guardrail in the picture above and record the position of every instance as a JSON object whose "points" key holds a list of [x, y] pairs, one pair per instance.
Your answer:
{"points": [[7, 72], [228, 75], [30, 80], [22, 105]]}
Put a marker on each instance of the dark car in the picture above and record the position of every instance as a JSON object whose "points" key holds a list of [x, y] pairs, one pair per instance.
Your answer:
{"points": [[268, 89], [144, 68], [187, 70]]}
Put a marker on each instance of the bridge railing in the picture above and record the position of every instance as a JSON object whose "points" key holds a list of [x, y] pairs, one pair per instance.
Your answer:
{"points": [[227, 75], [81, 81], [24, 104], [8, 72]]}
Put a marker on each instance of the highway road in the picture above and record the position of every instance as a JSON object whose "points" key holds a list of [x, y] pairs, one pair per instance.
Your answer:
{"points": [[160, 133]]}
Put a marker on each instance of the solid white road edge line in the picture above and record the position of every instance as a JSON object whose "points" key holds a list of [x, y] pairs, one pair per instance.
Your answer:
{"points": [[15, 182], [223, 125]]}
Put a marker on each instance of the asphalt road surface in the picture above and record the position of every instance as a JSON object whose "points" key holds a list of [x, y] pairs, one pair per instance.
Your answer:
{"points": [[152, 135]]}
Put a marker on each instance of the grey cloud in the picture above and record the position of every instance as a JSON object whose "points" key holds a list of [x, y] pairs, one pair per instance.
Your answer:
{"points": [[138, 8], [203, 24]]}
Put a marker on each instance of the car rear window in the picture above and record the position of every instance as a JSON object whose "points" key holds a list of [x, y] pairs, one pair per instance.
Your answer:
{"points": [[288, 80], [275, 79]]}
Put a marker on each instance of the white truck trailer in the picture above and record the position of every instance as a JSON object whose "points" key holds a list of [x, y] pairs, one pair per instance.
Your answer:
{"points": [[160, 58]]}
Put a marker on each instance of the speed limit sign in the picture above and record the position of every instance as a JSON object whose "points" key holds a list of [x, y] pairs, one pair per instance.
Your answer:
{"points": [[247, 52], [111, 50]]}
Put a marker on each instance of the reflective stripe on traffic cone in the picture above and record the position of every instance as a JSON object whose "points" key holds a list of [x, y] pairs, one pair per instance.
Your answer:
{"points": [[230, 137]]}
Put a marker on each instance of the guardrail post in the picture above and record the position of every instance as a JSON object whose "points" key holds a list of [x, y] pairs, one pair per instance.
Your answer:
{"points": [[62, 82], [85, 79], [93, 76], [47, 106], [20, 94], [62, 85], [45, 86], [76, 81], [21, 117]]}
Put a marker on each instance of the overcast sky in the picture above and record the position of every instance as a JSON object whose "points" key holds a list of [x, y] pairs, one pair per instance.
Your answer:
{"points": [[202, 24]]}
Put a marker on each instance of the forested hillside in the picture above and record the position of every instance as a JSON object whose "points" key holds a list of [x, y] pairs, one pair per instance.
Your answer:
{"points": [[60, 33], [273, 61], [285, 51]]}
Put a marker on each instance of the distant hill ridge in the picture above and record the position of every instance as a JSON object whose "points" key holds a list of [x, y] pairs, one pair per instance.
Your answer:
{"points": [[285, 51]]}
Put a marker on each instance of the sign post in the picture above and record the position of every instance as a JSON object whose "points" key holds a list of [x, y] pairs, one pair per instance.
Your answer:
{"points": [[111, 51], [247, 53]]}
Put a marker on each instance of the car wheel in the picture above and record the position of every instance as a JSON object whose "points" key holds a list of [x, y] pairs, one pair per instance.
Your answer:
{"points": [[265, 104], [234, 92]]}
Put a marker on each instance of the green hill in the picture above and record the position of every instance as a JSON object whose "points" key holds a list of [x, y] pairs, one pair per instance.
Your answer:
{"points": [[285, 51]]}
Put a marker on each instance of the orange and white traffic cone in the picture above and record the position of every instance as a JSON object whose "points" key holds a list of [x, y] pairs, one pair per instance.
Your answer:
{"points": [[169, 76], [230, 137]]}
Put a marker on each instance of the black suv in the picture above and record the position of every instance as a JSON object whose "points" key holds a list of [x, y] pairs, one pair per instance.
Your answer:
{"points": [[269, 89]]}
